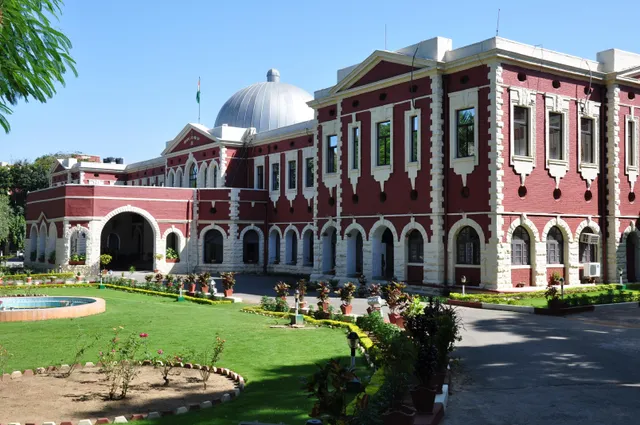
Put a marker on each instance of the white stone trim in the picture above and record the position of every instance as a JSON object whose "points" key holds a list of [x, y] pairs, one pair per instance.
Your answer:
{"points": [[309, 192], [381, 173], [404, 241], [272, 245], [70, 232], [631, 170], [179, 179], [412, 168], [589, 171], [571, 264], [557, 104], [457, 101], [525, 98], [213, 227], [613, 180], [586, 224], [354, 173], [435, 258], [171, 178], [182, 242], [537, 250], [288, 248], [357, 227], [452, 244], [240, 252], [204, 168], [187, 170], [291, 156], [222, 167], [330, 128], [259, 162], [274, 195]]}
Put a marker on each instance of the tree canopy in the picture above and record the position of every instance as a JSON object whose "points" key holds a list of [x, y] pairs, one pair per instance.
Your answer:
{"points": [[33, 55]]}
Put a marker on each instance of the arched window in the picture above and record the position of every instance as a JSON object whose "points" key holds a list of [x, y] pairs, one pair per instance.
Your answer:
{"points": [[178, 181], [171, 179], [193, 176], [555, 246], [113, 242], [588, 252], [520, 247], [172, 252], [416, 247], [274, 247], [213, 247], [205, 177], [250, 247], [215, 176], [78, 245], [468, 247], [292, 247]]}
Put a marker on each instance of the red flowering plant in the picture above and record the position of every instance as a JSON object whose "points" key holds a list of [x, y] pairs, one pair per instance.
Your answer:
{"points": [[208, 358]]}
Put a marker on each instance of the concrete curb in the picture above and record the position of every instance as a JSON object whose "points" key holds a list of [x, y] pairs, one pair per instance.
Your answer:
{"points": [[226, 397], [529, 309]]}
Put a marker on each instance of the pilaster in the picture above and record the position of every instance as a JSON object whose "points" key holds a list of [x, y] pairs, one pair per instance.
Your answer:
{"points": [[613, 184]]}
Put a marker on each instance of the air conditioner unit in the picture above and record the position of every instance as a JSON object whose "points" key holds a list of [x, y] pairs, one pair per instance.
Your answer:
{"points": [[589, 238], [591, 270]]}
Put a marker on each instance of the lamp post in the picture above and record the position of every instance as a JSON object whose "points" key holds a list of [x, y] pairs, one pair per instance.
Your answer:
{"points": [[297, 298], [463, 280], [180, 297], [562, 288], [621, 282], [352, 339], [297, 318]]}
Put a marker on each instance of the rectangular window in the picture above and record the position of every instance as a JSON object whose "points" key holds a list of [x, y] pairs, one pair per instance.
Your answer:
{"points": [[309, 180], [465, 128], [413, 156], [355, 139], [521, 131], [292, 175], [275, 176], [631, 132], [556, 148], [384, 143], [586, 141], [332, 154], [260, 177]]}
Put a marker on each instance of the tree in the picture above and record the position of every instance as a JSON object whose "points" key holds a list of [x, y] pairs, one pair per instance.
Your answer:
{"points": [[6, 217], [33, 55]]}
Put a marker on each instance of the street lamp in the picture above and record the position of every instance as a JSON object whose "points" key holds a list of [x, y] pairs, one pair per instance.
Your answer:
{"points": [[352, 339], [621, 282], [297, 318], [562, 288], [463, 280]]}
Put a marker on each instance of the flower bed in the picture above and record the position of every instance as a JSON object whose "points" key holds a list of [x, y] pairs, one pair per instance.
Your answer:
{"points": [[167, 295], [37, 276]]}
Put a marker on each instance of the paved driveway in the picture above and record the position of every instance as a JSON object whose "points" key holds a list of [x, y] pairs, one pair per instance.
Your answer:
{"points": [[526, 369]]}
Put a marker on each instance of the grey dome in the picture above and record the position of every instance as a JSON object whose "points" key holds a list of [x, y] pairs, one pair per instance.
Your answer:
{"points": [[266, 106]]}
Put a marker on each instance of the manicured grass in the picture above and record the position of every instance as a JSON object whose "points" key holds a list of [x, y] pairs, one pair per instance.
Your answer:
{"points": [[271, 360], [542, 302]]}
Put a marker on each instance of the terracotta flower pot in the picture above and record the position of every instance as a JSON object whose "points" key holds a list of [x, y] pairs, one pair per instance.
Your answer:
{"points": [[192, 288], [302, 304], [423, 398], [405, 415], [78, 278], [228, 292], [346, 309], [324, 306], [29, 279]]}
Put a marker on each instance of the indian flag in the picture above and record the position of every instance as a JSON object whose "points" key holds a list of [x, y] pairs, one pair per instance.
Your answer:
{"points": [[198, 93]]}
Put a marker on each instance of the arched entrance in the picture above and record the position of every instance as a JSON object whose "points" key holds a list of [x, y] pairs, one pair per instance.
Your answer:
{"points": [[329, 240], [128, 238], [307, 248], [354, 253], [632, 257], [382, 245]]}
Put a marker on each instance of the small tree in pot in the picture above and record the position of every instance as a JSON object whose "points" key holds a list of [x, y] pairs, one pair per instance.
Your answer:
{"points": [[191, 281], [399, 358], [329, 387], [346, 296], [228, 282], [282, 290], [374, 300], [397, 300], [203, 280], [323, 296], [423, 328], [301, 287]]}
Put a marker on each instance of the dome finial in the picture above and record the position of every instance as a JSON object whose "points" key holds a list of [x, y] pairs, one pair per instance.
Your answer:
{"points": [[273, 76]]}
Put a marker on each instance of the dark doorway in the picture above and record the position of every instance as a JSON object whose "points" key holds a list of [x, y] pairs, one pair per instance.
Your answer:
{"points": [[129, 239], [388, 260], [632, 246]]}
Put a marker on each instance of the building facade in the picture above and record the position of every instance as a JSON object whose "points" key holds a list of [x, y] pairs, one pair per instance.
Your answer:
{"points": [[496, 163]]}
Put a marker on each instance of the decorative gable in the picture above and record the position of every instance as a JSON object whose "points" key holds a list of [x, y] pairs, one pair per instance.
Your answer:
{"points": [[382, 71], [193, 139]]}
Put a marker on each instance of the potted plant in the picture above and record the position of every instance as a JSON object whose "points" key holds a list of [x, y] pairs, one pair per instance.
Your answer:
{"points": [[52, 257], [329, 387], [374, 300], [78, 277], [191, 281], [397, 300], [158, 278], [555, 278], [282, 290], [105, 259], [553, 299], [228, 282], [172, 256], [301, 287], [323, 296], [203, 280], [399, 356], [158, 257], [346, 296]]}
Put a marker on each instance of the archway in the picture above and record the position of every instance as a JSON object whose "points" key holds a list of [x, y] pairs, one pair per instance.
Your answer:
{"points": [[354, 253], [213, 247], [415, 257], [291, 247], [274, 247], [382, 249], [307, 248], [42, 243], [129, 239], [329, 240], [33, 244], [632, 257]]}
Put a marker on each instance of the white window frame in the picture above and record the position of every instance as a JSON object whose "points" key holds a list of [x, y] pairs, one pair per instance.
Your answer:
{"points": [[465, 99], [329, 129], [557, 104], [589, 171], [274, 195], [380, 173], [631, 170], [257, 162], [291, 156], [354, 173], [524, 98], [309, 153], [412, 168]]}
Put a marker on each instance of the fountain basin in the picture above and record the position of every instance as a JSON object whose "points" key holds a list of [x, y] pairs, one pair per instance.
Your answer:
{"points": [[27, 309]]}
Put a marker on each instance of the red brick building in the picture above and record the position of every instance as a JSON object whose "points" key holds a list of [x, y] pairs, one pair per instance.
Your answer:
{"points": [[500, 162]]}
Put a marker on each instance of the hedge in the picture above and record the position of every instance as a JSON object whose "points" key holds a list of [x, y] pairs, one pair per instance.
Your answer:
{"points": [[608, 298], [167, 294], [512, 298], [23, 277], [48, 286]]}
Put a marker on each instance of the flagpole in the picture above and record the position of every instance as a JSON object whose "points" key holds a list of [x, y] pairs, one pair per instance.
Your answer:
{"points": [[198, 101]]}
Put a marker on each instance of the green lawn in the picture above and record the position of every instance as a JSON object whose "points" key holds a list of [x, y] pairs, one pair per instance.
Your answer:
{"points": [[542, 302], [271, 360]]}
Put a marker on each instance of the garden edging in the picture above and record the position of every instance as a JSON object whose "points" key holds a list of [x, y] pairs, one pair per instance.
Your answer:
{"points": [[226, 397], [528, 309]]}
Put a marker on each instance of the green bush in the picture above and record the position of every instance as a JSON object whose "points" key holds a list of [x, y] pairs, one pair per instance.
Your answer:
{"points": [[23, 277], [608, 298], [512, 298]]}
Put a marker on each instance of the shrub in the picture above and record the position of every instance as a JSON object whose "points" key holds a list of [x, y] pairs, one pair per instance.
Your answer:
{"points": [[172, 254], [105, 259], [228, 280], [166, 362], [282, 289], [4, 359], [301, 287], [119, 361], [208, 358], [267, 303], [346, 293], [323, 292]]}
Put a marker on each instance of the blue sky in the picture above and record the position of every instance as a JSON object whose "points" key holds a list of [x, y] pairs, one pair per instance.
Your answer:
{"points": [[139, 60]]}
